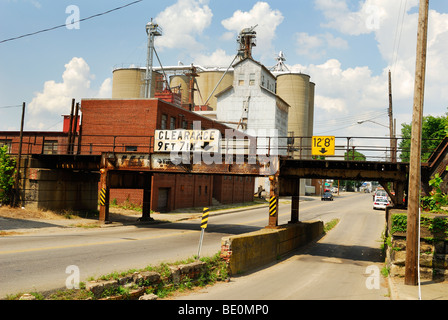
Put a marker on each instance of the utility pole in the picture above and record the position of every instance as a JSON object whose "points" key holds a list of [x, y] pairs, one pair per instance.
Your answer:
{"points": [[391, 124], [19, 160], [412, 237]]}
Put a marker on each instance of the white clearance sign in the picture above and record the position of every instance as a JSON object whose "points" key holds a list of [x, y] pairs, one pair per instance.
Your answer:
{"points": [[187, 140]]}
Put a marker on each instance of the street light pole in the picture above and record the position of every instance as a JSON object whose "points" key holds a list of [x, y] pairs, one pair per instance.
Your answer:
{"points": [[412, 238]]}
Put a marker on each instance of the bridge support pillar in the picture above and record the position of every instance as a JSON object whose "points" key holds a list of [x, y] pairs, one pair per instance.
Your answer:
{"points": [[146, 208], [104, 196], [294, 209]]}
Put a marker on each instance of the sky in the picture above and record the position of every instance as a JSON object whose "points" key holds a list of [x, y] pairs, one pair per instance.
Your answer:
{"points": [[347, 47]]}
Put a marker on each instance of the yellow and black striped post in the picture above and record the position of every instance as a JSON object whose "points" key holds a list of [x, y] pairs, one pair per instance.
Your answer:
{"points": [[273, 206], [204, 220], [103, 197], [204, 223], [273, 201]]}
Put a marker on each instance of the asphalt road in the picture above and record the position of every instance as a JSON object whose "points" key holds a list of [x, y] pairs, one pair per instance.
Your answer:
{"points": [[345, 264], [38, 262]]}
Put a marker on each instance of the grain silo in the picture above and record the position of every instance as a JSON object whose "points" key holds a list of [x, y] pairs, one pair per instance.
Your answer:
{"points": [[129, 83], [311, 110], [207, 82], [184, 82], [295, 89]]}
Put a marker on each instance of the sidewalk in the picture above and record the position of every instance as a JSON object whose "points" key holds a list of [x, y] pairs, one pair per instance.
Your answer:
{"points": [[429, 290]]}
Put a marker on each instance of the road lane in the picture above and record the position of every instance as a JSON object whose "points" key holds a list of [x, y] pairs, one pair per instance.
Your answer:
{"points": [[344, 264], [38, 261]]}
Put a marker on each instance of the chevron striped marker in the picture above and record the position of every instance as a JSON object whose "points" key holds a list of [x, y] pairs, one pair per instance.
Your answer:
{"points": [[273, 206], [103, 196], [204, 218]]}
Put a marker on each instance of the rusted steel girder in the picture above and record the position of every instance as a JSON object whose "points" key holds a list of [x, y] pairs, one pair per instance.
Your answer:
{"points": [[162, 162], [344, 170]]}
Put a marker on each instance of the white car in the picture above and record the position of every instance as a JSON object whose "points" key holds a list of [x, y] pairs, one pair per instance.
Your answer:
{"points": [[380, 203]]}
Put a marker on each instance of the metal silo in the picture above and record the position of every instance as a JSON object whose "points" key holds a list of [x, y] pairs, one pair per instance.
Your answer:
{"points": [[184, 82], [207, 81], [130, 83], [294, 88], [311, 110]]}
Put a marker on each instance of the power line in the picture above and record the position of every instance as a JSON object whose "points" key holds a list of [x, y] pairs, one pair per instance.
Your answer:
{"points": [[64, 25], [7, 107]]}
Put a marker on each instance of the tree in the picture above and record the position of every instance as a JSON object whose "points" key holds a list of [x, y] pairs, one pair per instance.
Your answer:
{"points": [[354, 156], [7, 172], [434, 129]]}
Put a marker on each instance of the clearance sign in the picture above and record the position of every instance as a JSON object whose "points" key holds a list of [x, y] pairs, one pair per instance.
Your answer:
{"points": [[187, 140]]}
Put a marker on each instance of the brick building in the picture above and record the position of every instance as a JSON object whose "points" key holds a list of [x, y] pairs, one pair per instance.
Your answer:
{"points": [[128, 126]]}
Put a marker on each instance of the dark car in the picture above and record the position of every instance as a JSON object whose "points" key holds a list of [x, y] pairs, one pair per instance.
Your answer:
{"points": [[327, 196]]}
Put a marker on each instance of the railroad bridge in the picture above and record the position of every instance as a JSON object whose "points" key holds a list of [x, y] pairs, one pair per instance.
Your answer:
{"points": [[134, 170], [128, 170]]}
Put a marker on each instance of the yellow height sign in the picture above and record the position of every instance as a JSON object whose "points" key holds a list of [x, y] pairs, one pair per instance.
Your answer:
{"points": [[322, 146]]}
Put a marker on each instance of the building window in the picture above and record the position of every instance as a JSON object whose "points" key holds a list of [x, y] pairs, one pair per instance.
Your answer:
{"points": [[172, 123], [241, 80], [50, 147], [184, 124], [130, 148], [252, 79], [163, 122], [6, 142]]}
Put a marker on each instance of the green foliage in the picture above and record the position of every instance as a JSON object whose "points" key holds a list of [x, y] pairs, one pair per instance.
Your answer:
{"points": [[7, 172], [434, 224], [354, 155], [434, 129], [437, 198], [399, 223]]}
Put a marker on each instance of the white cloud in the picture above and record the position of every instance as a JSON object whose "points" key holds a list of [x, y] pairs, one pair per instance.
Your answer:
{"points": [[267, 21], [315, 46], [182, 23], [47, 106], [217, 58], [395, 30], [342, 93]]}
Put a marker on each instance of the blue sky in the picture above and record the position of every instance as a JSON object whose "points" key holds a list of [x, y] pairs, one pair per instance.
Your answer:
{"points": [[347, 47]]}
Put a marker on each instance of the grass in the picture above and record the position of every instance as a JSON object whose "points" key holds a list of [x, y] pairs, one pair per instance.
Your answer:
{"points": [[330, 225], [215, 270]]}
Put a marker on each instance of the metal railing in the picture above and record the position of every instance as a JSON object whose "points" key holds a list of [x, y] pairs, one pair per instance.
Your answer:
{"points": [[346, 148]]}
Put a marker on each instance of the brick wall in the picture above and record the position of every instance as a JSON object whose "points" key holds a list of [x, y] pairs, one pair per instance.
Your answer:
{"points": [[133, 123]]}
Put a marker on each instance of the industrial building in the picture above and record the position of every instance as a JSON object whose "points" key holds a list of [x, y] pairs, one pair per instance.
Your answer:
{"points": [[246, 96]]}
